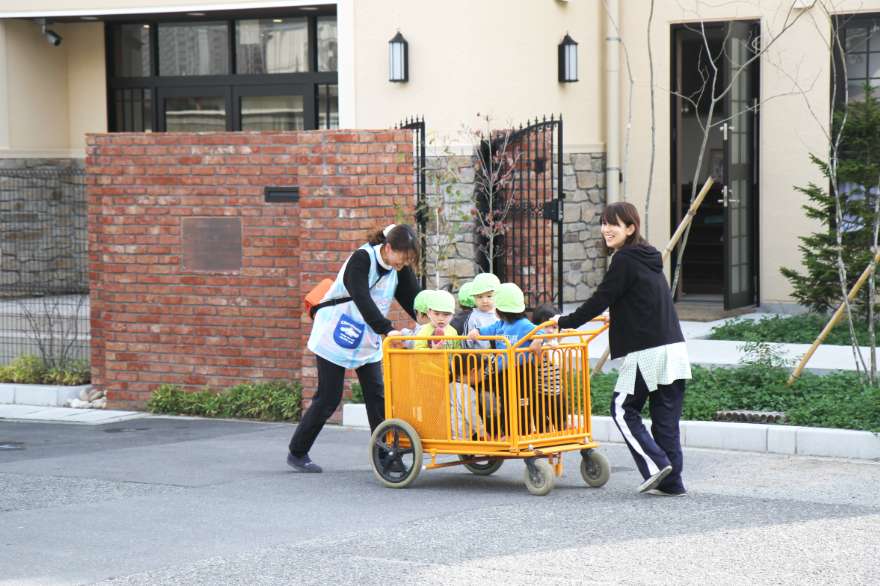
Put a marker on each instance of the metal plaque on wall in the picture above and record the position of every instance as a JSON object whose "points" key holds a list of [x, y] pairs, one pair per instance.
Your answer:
{"points": [[212, 244]]}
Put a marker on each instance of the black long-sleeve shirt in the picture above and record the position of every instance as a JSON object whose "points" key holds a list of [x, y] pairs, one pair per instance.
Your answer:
{"points": [[640, 303], [356, 280]]}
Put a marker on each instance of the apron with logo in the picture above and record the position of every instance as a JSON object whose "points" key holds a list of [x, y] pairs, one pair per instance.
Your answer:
{"points": [[339, 333]]}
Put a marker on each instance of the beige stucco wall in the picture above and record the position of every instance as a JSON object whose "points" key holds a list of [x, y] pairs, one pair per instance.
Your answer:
{"points": [[54, 95], [86, 81], [798, 61], [495, 57]]}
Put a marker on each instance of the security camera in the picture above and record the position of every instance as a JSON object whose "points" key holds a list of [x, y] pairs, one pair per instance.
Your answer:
{"points": [[51, 36]]}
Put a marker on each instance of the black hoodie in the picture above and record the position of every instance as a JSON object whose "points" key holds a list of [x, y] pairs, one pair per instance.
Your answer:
{"points": [[636, 291]]}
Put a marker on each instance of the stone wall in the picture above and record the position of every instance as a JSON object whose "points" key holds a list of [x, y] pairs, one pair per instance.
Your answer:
{"points": [[42, 227], [450, 185]]}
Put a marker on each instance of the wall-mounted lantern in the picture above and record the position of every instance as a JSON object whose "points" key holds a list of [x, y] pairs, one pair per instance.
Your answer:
{"points": [[568, 60], [398, 59]]}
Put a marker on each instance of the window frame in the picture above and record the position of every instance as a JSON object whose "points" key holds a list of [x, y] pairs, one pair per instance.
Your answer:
{"points": [[840, 23], [272, 83]]}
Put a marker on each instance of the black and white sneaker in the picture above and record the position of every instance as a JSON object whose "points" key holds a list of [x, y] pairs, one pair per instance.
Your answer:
{"points": [[656, 479], [303, 464], [658, 492]]}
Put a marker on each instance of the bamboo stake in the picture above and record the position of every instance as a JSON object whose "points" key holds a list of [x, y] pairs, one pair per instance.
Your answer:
{"points": [[676, 236], [834, 319]]}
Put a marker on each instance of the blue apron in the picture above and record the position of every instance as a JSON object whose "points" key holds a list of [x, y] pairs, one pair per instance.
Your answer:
{"points": [[339, 333]]}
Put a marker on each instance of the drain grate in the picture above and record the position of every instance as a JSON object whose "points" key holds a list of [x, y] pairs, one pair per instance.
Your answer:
{"points": [[11, 446], [125, 429]]}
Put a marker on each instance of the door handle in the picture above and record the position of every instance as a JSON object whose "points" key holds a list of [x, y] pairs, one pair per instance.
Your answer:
{"points": [[726, 199], [724, 128]]}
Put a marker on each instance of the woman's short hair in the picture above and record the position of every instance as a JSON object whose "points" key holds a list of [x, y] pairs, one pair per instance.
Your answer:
{"points": [[625, 212], [401, 238]]}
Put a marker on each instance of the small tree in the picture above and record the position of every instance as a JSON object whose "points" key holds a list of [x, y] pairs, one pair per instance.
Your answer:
{"points": [[858, 175], [495, 163]]}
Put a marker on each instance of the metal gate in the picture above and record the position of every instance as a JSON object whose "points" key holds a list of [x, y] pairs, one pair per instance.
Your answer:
{"points": [[44, 305], [417, 125], [529, 244]]}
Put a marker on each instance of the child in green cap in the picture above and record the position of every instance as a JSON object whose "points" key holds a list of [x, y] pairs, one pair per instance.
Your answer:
{"points": [[439, 306], [420, 306], [466, 302]]}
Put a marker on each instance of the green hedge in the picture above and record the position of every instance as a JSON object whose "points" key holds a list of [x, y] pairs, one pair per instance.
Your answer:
{"points": [[31, 370], [270, 401], [790, 329], [835, 400]]}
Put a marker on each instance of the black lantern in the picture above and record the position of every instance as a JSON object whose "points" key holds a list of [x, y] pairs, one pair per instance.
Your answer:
{"points": [[568, 60], [398, 59]]}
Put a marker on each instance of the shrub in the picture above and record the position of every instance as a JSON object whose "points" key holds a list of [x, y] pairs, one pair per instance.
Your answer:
{"points": [[793, 329], [266, 401], [357, 393], [835, 400], [32, 370]]}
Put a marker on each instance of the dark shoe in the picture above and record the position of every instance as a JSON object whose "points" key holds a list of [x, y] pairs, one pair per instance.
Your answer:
{"points": [[658, 492], [654, 480], [303, 464]]}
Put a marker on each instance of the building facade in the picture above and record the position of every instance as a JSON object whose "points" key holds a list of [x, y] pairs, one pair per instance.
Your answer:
{"points": [[634, 116]]}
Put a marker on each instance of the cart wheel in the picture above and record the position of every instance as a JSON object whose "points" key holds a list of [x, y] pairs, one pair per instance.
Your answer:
{"points": [[487, 468], [396, 453], [539, 477], [595, 468]]}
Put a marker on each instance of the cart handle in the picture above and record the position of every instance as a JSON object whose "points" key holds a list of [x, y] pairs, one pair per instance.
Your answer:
{"points": [[575, 333]]}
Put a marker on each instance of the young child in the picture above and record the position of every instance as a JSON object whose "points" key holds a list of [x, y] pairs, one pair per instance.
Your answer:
{"points": [[466, 302], [553, 400], [463, 413], [439, 306], [483, 290], [421, 308], [513, 325]]}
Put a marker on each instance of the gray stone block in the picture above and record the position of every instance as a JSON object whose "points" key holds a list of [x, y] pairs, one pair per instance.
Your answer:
{"points": [[781, 439], [726, 436], [588, 180], [838, 443], [582, 162]]}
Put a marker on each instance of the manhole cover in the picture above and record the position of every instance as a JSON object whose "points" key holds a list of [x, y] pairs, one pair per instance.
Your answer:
{"points": [[11, 446], [124, 429]]}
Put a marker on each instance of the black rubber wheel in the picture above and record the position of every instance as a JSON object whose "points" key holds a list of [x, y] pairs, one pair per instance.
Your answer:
{"points": [[484, 467], [396, 453], [543, 479], [595, 469]]}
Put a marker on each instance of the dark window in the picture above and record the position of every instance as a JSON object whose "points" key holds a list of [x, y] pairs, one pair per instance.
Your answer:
{"points": [[327, 43], [131, 51], [328, 106], [860, 37], [272, 113], [263, 70], [277, 45], [187, 48]]}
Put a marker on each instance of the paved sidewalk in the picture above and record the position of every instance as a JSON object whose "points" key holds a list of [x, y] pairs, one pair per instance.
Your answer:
{"points": [[66, 414]]}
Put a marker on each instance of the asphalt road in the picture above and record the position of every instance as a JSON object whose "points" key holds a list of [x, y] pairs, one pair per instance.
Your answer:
{"points": [[187, 501]]}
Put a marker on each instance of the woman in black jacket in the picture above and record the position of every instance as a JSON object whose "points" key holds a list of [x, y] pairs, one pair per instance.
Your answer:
{"points": [[645, 332]]}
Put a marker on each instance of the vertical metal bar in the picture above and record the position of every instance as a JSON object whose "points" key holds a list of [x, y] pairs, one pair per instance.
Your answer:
{"points": [[560, 196]]}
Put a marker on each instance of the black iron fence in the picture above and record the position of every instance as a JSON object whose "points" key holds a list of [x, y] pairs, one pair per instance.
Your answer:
{"points": [[43, 265], [420, 179], [526, 212]]}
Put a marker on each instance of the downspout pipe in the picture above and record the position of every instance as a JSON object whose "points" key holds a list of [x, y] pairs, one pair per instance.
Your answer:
{"points": [[612, 101]]}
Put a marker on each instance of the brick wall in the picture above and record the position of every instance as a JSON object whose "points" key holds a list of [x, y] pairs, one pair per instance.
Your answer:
{"points": [[157, 316]]}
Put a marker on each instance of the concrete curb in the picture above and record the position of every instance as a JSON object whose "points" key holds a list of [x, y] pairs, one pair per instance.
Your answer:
{"points": [[40, 395], [66, 414], [748, 437]]}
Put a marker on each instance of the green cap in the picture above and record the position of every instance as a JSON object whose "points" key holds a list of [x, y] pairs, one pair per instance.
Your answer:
{"points": [[441, 301], [420, 303], [509, 298], [484, 282], [465, 295]]}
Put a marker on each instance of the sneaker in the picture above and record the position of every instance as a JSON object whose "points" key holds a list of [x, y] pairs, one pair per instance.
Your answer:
{"points": [[658, 492], [654, 480], [302, 464]]}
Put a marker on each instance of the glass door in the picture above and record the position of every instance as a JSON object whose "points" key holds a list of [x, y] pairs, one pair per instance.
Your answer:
{"points": [[195, 109], [274, 107], [740, 184]]}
